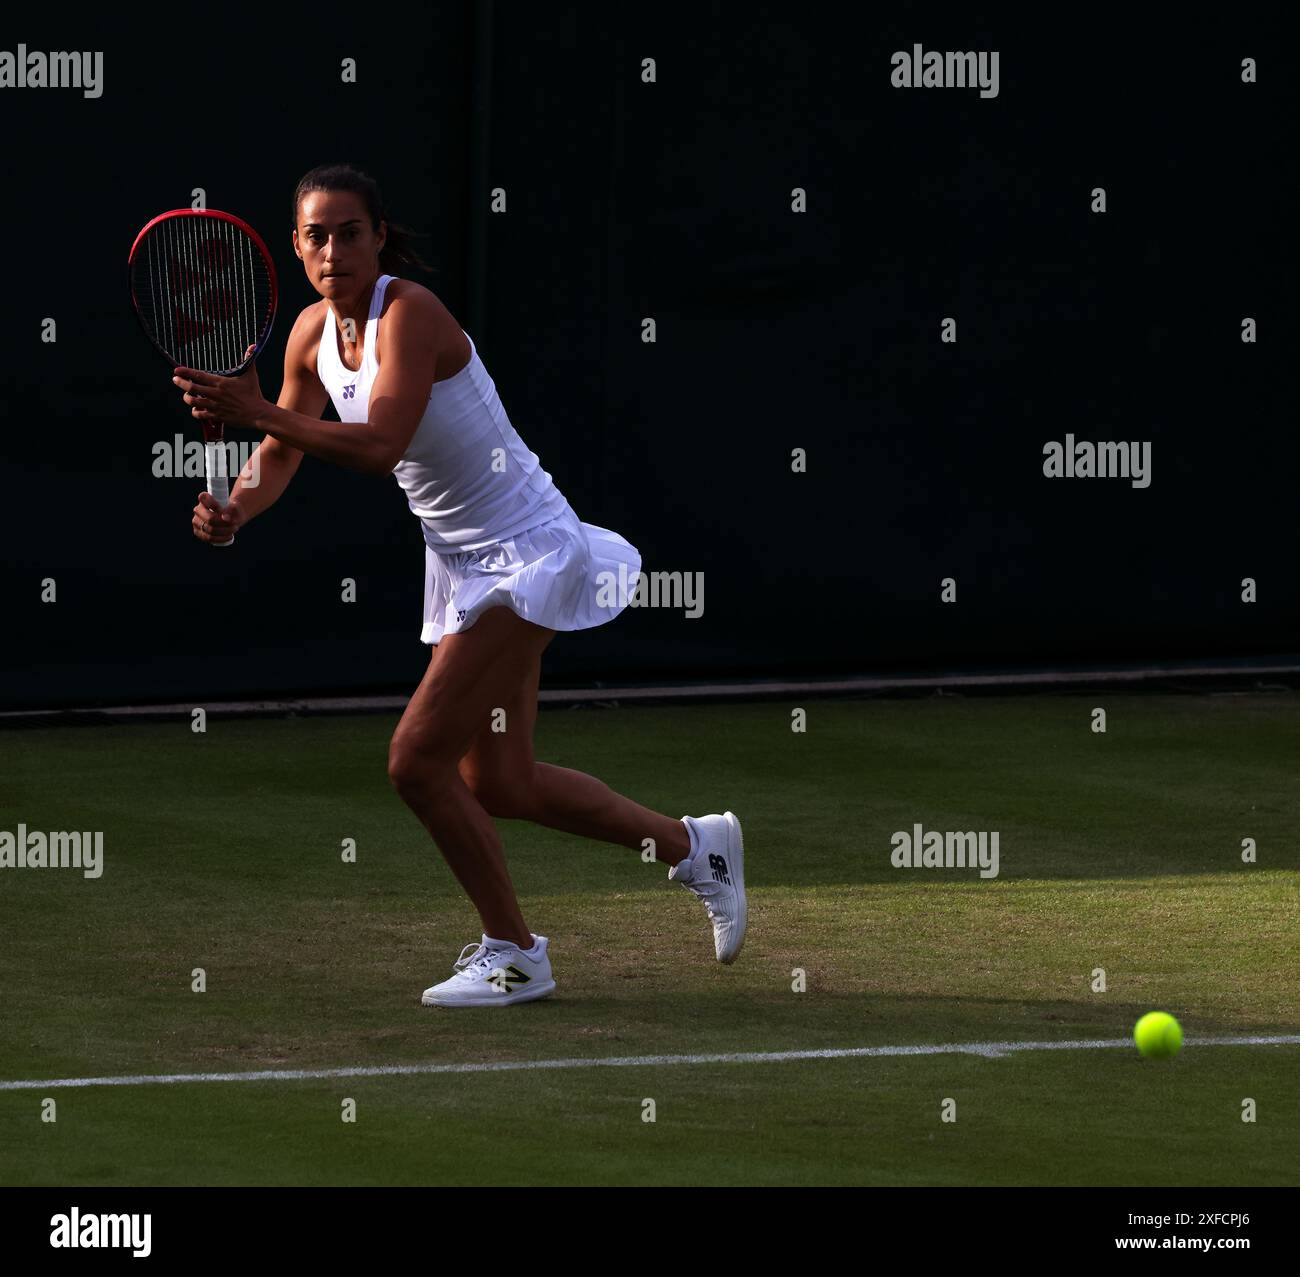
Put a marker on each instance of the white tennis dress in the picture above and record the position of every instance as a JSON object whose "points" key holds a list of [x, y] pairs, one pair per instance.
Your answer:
{"points": [[496, 529]]}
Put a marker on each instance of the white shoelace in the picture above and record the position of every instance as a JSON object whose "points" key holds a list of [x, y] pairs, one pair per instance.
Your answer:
{"points": [[483, 961]]}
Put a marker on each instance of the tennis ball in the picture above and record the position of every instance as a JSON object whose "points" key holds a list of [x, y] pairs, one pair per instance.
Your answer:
{"points": [[1158, 1035]]}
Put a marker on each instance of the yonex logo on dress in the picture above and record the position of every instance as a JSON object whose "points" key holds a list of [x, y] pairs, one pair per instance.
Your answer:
{"points": [[657, 589], [350, 392]]}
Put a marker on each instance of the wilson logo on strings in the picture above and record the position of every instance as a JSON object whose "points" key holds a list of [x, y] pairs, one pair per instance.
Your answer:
{"points": [[207, 279]]}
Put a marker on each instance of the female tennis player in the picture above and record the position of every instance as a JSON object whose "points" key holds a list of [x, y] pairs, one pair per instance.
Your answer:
{"points": [[507, 564]]}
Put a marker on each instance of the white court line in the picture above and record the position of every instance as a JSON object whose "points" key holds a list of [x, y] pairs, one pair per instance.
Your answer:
{"points": [[989, 1050]]}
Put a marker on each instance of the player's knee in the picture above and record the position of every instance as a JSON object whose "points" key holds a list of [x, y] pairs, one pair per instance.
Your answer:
{"points": [[402, 768], [411, 770]]}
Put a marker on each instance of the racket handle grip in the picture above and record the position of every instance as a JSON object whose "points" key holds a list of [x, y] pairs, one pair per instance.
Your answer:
{"points": [[214, 465]]}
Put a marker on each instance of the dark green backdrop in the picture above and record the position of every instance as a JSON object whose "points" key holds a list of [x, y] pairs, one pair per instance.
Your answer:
{"points": [[775, 330]]}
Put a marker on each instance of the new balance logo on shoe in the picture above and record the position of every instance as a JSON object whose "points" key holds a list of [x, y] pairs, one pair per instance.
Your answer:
{"points": [[506, 978], [715, 873]]}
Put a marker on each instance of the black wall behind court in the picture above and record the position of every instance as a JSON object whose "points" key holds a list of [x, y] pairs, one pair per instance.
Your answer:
{"points": [[775, 330]]}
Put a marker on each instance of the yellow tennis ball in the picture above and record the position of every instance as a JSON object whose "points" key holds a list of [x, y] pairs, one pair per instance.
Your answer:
{"points": [[1158, 1035]]}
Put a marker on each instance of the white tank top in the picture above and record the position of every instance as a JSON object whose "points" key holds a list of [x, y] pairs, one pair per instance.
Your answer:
{"points": [[467, 475]]}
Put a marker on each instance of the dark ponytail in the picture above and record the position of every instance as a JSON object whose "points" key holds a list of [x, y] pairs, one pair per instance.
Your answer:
{"points": [[398, 255]]}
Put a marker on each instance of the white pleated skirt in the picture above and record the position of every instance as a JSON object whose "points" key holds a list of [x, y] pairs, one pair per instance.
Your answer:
{"points": [[563, 574]]}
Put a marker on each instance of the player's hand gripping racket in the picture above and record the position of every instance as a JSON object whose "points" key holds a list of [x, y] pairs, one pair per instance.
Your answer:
{"points": [[204, 290]]}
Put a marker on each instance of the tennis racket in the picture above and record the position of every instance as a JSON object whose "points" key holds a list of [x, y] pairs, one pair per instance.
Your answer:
{"points": [[204, 290]]}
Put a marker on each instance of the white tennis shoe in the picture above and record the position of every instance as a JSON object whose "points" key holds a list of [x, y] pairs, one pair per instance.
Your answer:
{"points": [[495, 974], [715, 872]]}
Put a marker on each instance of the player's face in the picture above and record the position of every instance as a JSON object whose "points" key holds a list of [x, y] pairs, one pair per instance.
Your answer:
{"points": [[338, 246]]}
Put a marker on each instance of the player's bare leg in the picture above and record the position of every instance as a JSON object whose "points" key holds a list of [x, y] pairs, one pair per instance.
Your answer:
{"points": [[456, 773], [501, 771], [469, 676]]}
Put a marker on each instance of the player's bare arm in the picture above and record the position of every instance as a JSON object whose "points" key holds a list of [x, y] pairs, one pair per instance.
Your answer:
{"points": [[263, 480], [400, 394]]}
